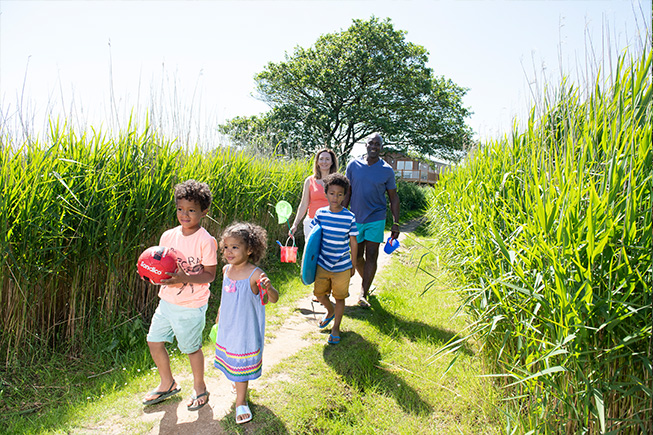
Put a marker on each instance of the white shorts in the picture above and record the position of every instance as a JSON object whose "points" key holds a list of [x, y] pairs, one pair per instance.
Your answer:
{"points": [[307, 226]]}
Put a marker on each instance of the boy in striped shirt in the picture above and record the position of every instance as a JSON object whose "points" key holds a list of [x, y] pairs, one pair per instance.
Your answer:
{"points": [[334, 265]]}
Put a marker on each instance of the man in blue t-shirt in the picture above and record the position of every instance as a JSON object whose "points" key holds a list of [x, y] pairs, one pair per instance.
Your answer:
{"points": [[371, 178]]}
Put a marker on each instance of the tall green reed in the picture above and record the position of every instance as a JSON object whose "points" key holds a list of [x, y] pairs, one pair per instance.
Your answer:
{"points": [[76, 211], [551, 229]]}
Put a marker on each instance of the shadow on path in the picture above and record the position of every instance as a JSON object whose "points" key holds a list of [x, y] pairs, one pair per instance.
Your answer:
{"points": [[358, 362], [390, 324], [263, 421]]}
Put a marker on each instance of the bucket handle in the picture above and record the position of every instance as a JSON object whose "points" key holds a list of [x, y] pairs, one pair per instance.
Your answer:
{"points": [[293, 241]]}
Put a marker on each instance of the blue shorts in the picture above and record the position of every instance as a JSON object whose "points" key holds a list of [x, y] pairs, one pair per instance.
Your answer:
{"points": [[170, 320], [372, 231]]}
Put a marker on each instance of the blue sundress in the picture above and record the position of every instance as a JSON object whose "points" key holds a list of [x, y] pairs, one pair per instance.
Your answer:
{"points": [[241, 331]]}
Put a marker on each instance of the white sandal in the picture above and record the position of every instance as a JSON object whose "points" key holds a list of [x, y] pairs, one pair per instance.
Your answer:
{"points": [[242, 410]]}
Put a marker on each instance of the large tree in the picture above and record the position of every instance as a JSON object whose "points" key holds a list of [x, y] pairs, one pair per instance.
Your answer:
{"points": [[367, 78]]}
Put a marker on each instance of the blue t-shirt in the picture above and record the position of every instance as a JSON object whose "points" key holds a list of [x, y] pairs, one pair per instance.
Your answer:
{"points": [[336, 230], [368, 187]]}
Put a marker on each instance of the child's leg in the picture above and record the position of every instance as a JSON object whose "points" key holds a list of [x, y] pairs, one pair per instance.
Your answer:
{"points": [[162, 361], [324, 300], [340, 290], [339, 311], [197, 366], [322, 288], [241, 397]]}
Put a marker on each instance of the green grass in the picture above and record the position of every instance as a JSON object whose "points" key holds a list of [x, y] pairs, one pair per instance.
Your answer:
{"points": [[76, 211], [550, 233], [379, 379]]}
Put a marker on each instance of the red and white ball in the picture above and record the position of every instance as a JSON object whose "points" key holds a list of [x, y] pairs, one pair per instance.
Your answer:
{"points": [[155, 263]]}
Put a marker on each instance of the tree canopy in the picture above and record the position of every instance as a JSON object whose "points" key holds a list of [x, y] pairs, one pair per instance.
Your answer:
{"points": [[350, 84]]}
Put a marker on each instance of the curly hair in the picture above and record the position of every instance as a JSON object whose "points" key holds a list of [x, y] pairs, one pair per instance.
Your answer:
{"points": [[195, 191], [334, 163], [336, 179], [254, 237]]}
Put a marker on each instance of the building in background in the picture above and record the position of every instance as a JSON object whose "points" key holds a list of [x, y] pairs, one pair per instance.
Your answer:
{"points": [[416, 171]]}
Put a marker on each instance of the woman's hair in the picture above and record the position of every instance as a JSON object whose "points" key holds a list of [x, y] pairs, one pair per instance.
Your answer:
{"points": [[195, 191], [334, 163], [253, 236]]}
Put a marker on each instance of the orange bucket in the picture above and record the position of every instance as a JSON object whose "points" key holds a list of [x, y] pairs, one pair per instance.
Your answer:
{"points": [[289, 253]]}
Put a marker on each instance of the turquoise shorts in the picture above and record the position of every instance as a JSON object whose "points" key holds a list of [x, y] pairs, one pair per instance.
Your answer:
{"points": [[170, 320], [372, 231]]}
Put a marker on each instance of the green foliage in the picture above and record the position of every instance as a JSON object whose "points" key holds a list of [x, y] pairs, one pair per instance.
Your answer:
{"points": [[413, 201], [551, 229], [367, 78], [412, 196], [76, 212], [257, 134]]}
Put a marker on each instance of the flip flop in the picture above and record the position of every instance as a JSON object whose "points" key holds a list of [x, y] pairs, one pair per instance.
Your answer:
{"points": [[194, 397], [242, 410], [362, 302], [326, 320], [163, 395], [333, 339]]}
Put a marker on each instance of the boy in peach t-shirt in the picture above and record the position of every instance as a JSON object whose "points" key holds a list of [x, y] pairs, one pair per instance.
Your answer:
{"points": [[184, 297]]}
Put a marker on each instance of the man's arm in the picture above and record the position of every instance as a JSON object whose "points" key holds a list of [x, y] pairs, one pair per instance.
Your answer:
{"points": [[348, 174], [394, 209], [345, 202]]}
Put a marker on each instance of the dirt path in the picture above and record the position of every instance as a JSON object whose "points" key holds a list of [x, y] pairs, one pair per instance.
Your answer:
{"points": [[298, 331]]}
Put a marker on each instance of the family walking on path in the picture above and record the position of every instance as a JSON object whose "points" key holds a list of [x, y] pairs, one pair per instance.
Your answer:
{"points": [[350, 243]]}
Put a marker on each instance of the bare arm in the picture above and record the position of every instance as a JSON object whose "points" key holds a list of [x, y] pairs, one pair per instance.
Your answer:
{"points": [[353, 245], [180, 276], [394, 209], [302, 209], [273, 294], [345, 202]]}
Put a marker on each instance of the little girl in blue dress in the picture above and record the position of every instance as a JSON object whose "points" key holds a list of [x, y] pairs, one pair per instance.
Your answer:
{"points": [[241, 317]]}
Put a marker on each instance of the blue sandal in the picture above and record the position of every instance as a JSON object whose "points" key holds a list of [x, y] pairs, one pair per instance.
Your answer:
{"points": [[325, 321], [333, 339]]}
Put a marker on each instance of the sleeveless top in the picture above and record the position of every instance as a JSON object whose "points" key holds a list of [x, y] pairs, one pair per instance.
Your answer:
{"points": [[316, 197], [241, 331]]}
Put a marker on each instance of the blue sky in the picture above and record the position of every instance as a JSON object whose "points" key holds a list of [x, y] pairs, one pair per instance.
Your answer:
{"points": [[92, 59]]}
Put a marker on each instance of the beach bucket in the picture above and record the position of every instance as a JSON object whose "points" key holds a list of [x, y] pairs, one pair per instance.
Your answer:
{"points": [[390, 245], [289, 253]]}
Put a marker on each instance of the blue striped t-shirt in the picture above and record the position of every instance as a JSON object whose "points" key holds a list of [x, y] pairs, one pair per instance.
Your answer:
{"points": [[337, 228]]}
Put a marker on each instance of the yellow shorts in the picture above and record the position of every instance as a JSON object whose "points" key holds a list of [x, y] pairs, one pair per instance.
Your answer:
{"points": [[336, 283]]}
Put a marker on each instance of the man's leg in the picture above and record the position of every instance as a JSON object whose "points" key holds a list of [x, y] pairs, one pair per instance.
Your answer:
{"points": [[359, 263], [371, 256]]}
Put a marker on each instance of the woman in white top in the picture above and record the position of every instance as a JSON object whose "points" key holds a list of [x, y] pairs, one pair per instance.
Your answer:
{"points": [[313, 196]]}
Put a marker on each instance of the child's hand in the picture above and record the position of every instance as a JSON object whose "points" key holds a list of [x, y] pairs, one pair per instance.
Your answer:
{"points": [[265, 281], [353, 271], [177, 277]]}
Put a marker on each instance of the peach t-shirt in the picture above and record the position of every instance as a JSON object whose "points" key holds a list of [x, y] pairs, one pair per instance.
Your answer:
{"points": [[316, 197], [193, 253]]}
